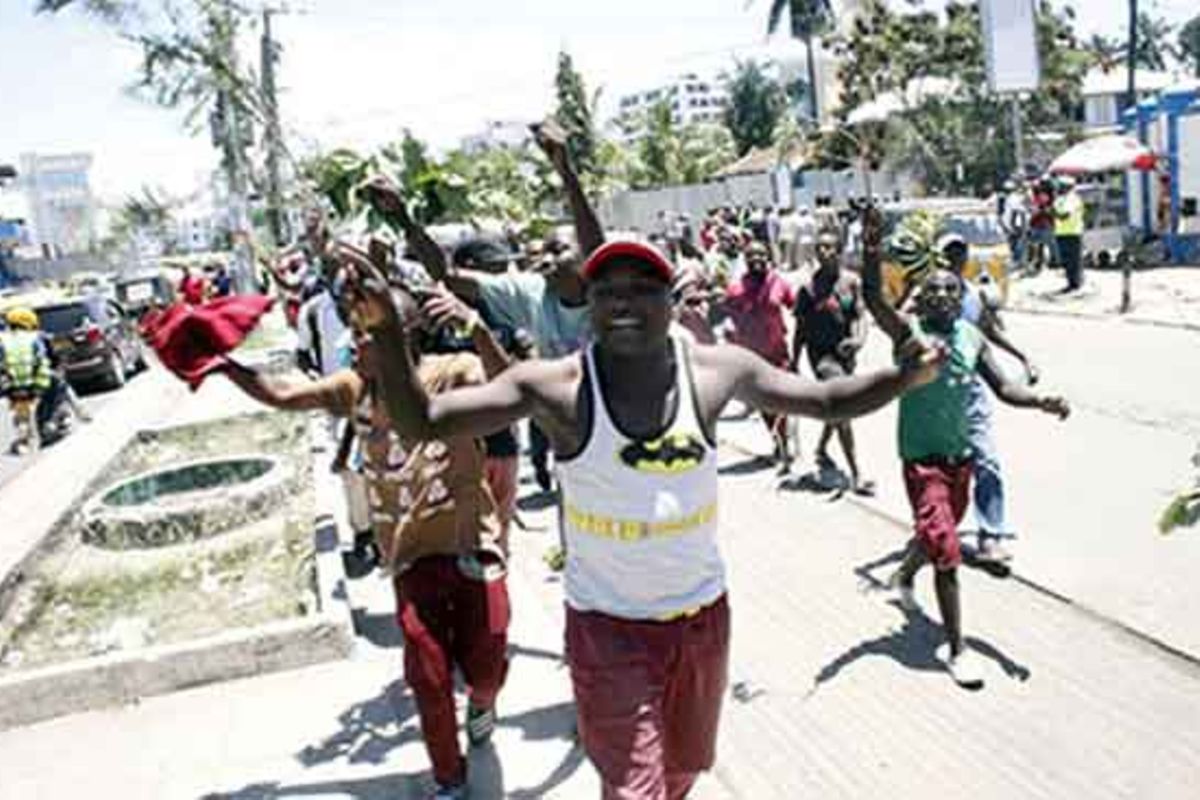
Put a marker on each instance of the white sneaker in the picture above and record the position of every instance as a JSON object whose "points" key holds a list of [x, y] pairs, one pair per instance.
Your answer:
{"points": [[966, 668]]}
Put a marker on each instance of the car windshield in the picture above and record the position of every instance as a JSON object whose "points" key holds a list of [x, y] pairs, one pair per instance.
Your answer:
{"points": [[977, 229], [66, 318]]}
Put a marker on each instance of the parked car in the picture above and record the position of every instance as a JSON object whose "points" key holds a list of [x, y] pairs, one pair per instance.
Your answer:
{"points": [[139, 292], [93, 339]]}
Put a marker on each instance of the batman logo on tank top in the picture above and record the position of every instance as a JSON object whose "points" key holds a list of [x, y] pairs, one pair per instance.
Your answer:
{"points": [[672, 454]]}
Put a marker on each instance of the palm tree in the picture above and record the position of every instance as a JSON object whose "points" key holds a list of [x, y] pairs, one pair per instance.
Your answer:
{"points": [[809, 18]]}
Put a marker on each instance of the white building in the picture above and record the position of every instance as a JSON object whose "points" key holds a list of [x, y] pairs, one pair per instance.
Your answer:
{"points": [[496, 134], [1105, 94], [62, 208], [693, 100]]}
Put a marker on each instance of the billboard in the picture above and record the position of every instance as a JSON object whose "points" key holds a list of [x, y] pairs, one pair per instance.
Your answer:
{"points": [[1010, 42]]}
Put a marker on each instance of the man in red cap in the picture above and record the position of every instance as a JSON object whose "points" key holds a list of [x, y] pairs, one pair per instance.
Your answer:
{"points": [[631, 421]]}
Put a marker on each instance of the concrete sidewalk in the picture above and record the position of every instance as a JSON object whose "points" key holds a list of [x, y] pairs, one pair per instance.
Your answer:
{"points": [[1166, 296], [835, 693]]}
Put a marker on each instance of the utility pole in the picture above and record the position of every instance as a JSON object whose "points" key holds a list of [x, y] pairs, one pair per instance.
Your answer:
{"points": [[1018, 138], [1139, 123], [230, 129], [269, 57]]}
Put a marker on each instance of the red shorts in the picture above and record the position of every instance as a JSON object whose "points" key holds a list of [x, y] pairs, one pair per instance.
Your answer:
{"points": [[648, 695], [939, 493]]}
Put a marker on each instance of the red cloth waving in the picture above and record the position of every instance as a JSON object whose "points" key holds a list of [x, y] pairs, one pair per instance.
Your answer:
{"points": [[192, 341]]}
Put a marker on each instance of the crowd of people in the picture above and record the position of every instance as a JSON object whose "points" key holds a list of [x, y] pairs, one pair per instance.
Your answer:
{"points": [[622, 355]]}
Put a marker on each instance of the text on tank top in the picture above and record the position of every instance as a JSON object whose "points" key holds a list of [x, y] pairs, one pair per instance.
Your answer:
{"points": [[640, 515]]}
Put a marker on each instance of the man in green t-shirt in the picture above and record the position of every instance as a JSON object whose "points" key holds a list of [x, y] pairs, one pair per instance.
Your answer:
{"points": [[935, 441]]}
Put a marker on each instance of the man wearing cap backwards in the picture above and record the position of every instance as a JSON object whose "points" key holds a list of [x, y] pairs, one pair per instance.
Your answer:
{"points": [[631, 421], [980, 307]]}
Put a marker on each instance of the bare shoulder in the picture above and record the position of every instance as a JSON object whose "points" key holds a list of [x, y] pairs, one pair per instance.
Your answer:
{"points": [[722, 360], [549, 379]]}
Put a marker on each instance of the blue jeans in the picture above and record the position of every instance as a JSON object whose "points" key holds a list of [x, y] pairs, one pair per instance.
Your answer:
{"points": [[988, 492]]}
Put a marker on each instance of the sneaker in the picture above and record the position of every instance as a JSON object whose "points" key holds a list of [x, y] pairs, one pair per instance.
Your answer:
{"points": [[481, 722], [445, 792], [965, 668], [990, 549]]}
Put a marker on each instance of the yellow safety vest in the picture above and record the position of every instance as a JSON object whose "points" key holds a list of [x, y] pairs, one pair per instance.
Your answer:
{"points": [[1068, 215], [24, 361]]}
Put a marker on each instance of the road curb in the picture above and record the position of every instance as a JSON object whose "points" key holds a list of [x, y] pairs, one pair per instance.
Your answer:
{"points": [[875, 510], [1072, 314], [122, 678]]}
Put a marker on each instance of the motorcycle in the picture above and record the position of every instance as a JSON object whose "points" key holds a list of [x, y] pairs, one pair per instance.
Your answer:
{"points": [[23, 406]]}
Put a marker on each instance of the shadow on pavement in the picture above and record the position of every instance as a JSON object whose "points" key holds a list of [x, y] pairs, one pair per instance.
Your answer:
{"points": [[380, 629], [551, 722], [747, 466], [384, 787], [913, 645], [369, 730], [538, 501]]}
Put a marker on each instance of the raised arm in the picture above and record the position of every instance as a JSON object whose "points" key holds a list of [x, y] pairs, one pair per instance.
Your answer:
{"points": [[589, 233], [887, 317], [469, 411], [771, 389], [384, 197], [1016, 394], [444, 309]]}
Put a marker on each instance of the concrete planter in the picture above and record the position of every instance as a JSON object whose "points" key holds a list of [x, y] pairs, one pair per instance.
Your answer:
{"points": [[186, 502]]}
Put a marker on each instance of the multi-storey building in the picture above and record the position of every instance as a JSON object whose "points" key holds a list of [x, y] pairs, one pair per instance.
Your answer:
{"points": [[692, 100], [62, 208]]}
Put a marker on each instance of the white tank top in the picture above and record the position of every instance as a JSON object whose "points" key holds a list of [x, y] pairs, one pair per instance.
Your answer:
{"points": [[640, 516]]}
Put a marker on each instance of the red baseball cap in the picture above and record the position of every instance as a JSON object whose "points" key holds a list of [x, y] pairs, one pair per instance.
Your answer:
{"points": [[654, 261]]}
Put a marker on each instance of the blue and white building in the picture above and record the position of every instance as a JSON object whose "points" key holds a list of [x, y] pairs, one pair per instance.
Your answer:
{"points": [[1170, 124]]}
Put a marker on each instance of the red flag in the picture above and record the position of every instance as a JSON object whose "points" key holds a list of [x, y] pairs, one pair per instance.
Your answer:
{"points": [[192, 341]]}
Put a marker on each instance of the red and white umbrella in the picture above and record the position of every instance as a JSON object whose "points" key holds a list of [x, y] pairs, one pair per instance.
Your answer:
{"points": [[1110, 153]]}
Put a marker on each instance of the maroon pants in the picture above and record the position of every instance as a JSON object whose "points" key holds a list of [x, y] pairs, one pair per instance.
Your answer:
{"points": [[648, 696], [938, 493], [450, 620]]}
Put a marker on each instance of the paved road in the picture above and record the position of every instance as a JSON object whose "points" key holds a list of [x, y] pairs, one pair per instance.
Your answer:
{"points": [[836, 694], [1085, 495], [94, 400]]}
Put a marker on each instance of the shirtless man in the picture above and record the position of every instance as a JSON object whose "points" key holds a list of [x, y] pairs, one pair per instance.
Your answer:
{"points": [[830, 324]]}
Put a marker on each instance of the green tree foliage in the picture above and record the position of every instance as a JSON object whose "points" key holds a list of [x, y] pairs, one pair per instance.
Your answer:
{"points": [[756, 104], [667, 155], [574, 113], [1155, 48], [961, 142], [1189, 44]]}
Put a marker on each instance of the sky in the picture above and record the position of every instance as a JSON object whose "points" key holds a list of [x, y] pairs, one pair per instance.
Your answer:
{"points": [[356, 72]]}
